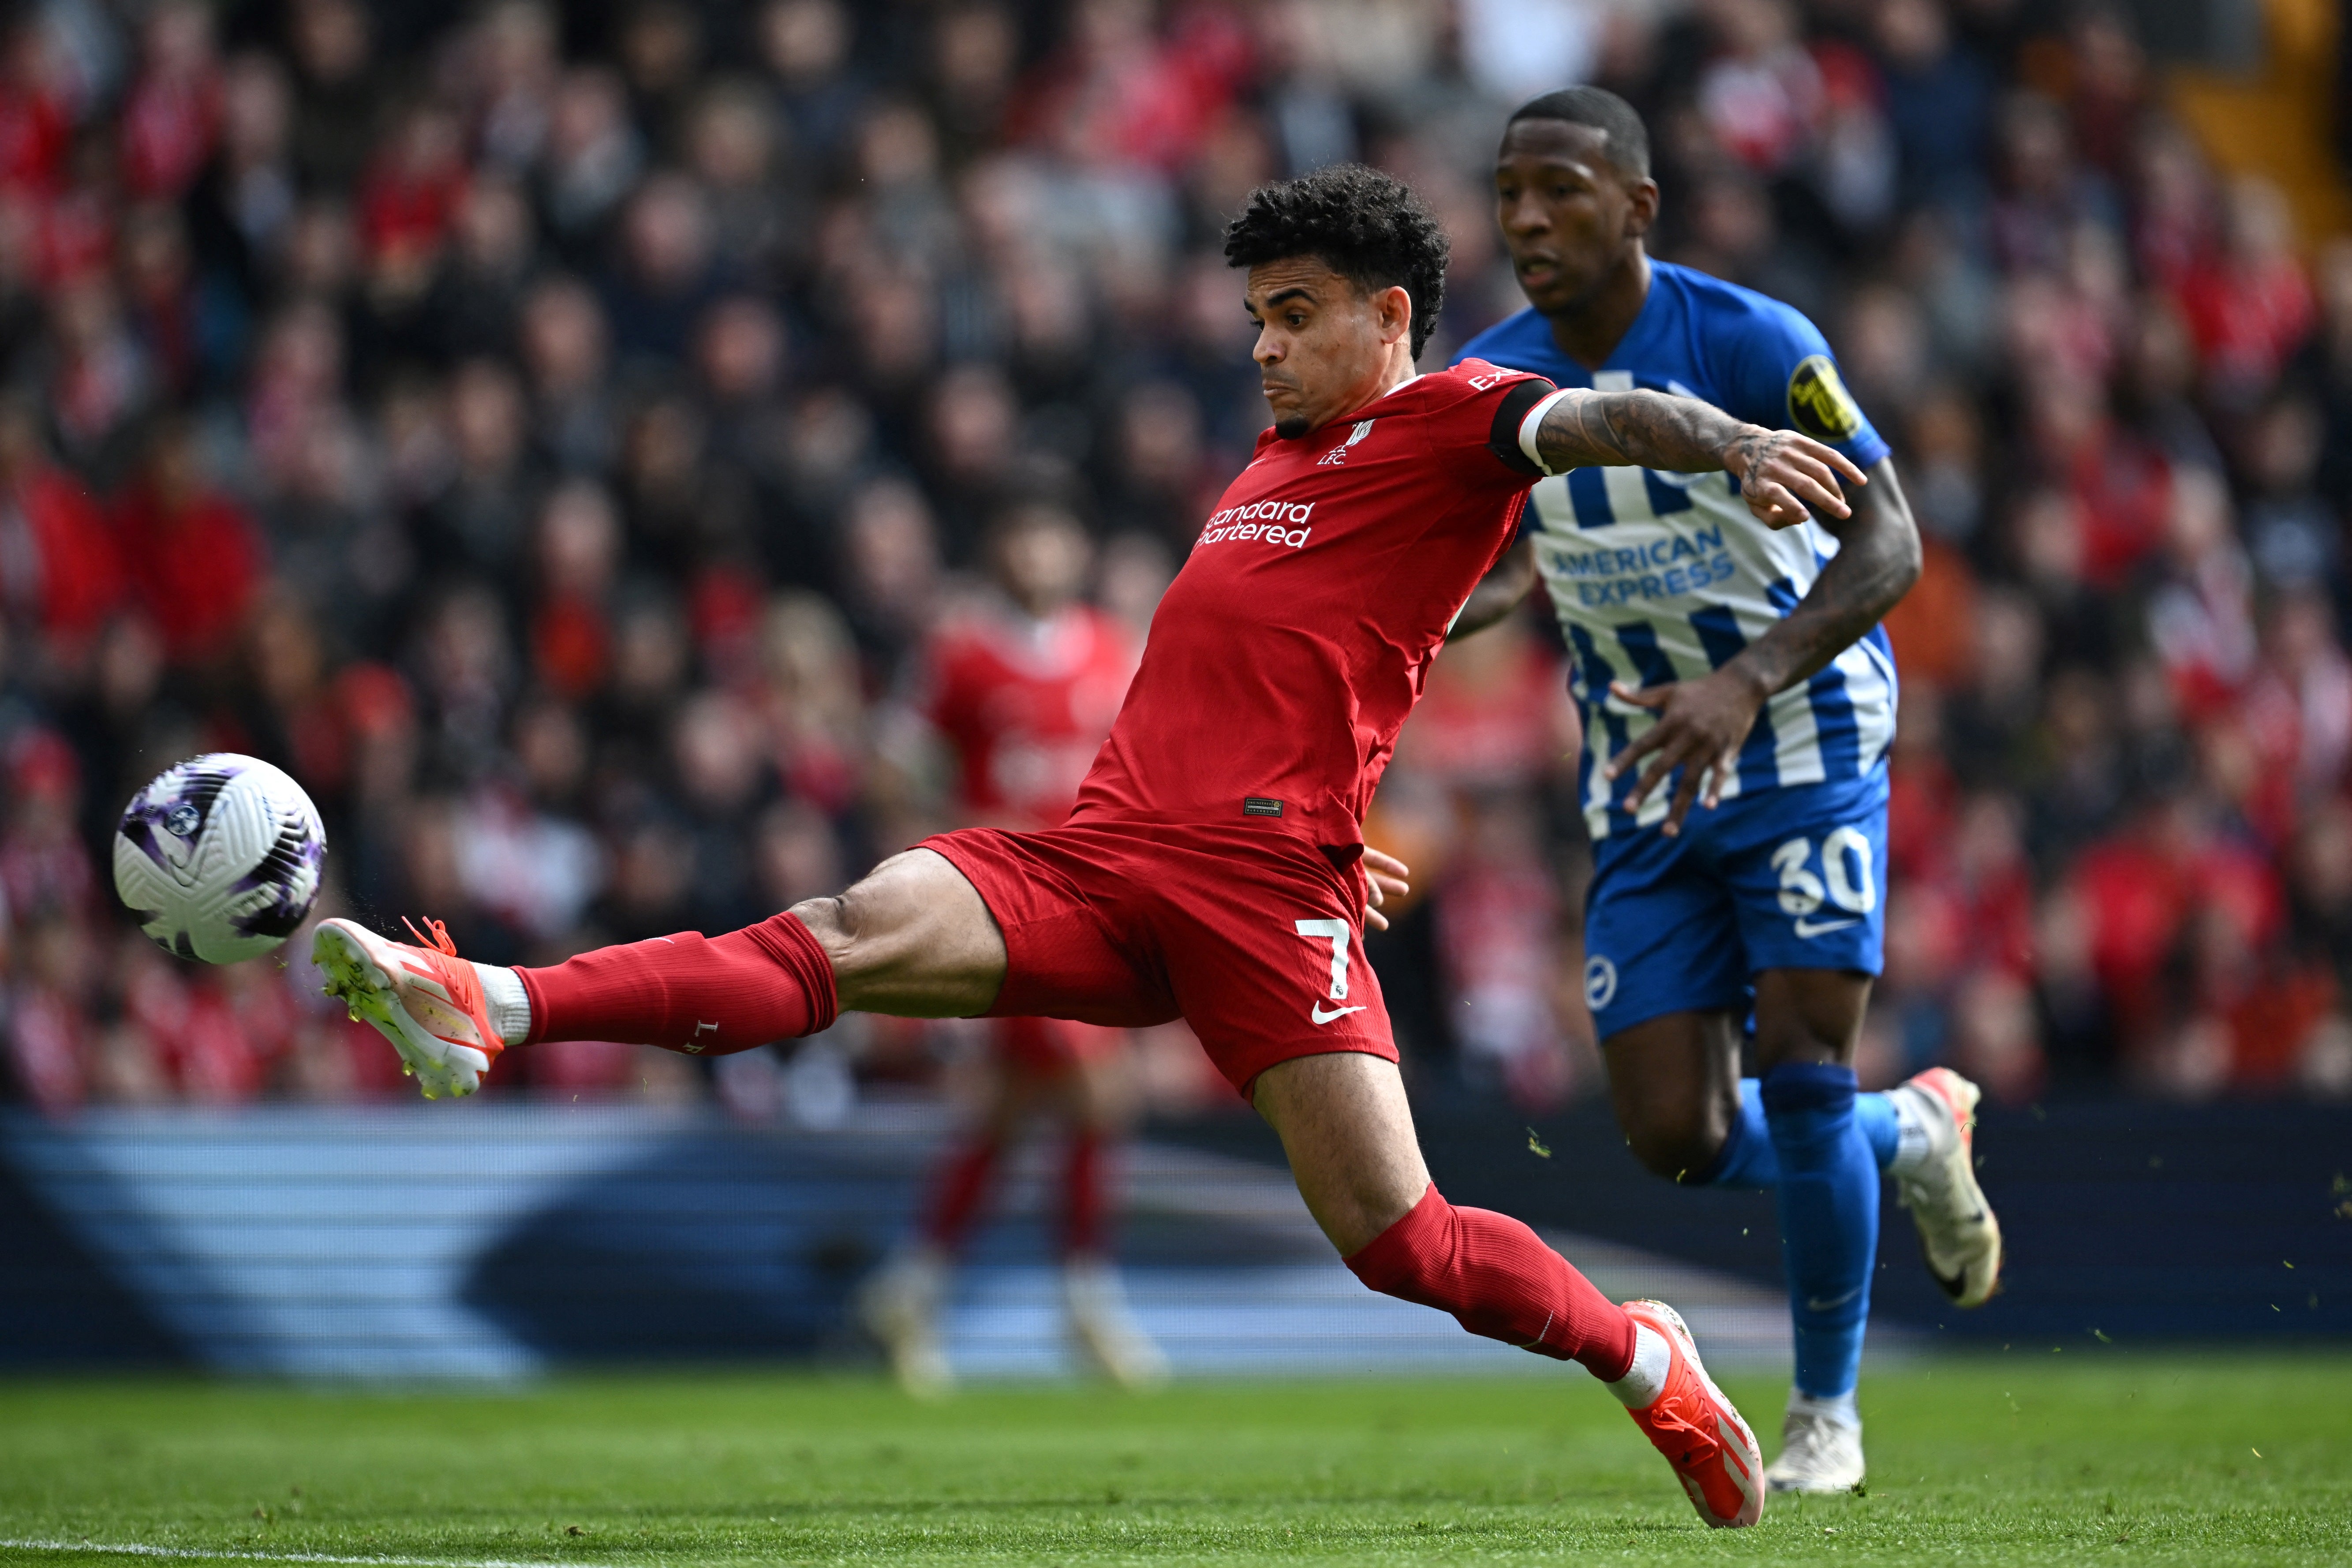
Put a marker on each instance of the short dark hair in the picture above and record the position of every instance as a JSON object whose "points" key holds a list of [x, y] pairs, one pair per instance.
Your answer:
{"points": [[1369, 229], [1629, 139]]}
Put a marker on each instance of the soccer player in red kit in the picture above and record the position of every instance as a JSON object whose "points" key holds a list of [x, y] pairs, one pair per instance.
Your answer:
{"points": [[1022, 683], [1212, 867]]}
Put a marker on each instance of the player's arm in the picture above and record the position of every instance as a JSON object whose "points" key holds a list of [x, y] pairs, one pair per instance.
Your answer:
{"points": [[1500, 592], [1784, 477], [1876, 562], [1702, 722], [1780, 472]]}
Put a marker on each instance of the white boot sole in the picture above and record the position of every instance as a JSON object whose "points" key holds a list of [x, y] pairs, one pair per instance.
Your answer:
{"points": [[356, 978]]}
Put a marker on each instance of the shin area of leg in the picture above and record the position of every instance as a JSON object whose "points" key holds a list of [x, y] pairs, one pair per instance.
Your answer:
{"points": [[1347, 1131]]}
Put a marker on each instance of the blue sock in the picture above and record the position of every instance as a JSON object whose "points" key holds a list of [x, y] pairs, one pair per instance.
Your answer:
{"points": [[1829, 1218], [1745, 1160], [1748, 1160]]}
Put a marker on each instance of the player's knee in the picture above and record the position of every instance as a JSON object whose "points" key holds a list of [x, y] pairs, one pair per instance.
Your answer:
{"points": [[1679, 1146], [1803, 1040], [824, 918], [910, 938], [1809, 1015], [857, 926]]}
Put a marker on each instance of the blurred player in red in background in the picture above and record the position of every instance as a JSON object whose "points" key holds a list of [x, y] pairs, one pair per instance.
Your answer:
{"points": [[1022, 683]]}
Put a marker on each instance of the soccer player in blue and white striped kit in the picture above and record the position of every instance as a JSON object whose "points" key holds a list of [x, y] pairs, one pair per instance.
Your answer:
{"points": [[1744, 671]]}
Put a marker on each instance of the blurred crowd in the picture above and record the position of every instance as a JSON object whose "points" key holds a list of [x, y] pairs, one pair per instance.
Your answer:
{"points": [[551, 432]]}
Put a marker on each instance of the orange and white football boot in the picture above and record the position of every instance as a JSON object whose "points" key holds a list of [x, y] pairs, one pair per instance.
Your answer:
{"points": [[1698, 1430], [425, 1000], [1957, 1228]]}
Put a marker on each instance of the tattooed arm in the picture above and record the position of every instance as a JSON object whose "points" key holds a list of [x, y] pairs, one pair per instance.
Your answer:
{"points": [[1781, 473], [1702, 722]]}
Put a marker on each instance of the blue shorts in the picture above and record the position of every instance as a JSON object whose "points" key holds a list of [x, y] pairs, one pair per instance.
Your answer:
{"points": [[1792, 878]]}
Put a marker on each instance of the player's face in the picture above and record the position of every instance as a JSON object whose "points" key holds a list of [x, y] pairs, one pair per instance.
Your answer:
{"points": [[1569, 217], [1322, 342]]}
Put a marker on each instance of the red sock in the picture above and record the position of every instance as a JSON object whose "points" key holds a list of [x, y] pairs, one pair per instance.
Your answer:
{"points": [[1499, 1279], [1084, 1182], [706, 997], [956, 1193]]}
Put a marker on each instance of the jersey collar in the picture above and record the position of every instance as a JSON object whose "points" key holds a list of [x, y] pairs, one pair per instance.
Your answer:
{"points": [[1358, 412]]}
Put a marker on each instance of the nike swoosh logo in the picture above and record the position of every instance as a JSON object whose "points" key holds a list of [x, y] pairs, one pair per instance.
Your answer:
{"points": [[1822, 927], [1320, 1017], [1815, 1304]]}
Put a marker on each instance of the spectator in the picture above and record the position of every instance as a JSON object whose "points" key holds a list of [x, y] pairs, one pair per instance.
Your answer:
{"points": [[61, 571], [1939, 101], [193, 557], [337, 89], [564, 345], [479, 522], [668, 270], [172, 112], [594, 152], [242, 205]]}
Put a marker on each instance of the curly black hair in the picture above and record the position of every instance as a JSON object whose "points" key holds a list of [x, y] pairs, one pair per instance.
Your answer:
{"points": [[1369, 229]]}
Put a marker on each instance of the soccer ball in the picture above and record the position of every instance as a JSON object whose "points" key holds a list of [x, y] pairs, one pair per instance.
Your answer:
{"points": [[219, 858]]}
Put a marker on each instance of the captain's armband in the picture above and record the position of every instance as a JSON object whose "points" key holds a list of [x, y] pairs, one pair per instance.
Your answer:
{"points": [[1530, 426]]}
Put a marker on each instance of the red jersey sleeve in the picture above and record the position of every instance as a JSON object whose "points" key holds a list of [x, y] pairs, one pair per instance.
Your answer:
{"points": [[1488, 406]]}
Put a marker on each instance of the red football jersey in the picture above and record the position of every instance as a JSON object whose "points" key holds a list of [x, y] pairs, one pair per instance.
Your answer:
{"points": [[1290, 647], [1025, 705]]}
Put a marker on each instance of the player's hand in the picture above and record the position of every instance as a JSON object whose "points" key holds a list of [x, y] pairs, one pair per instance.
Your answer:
{"points": [[1784, 477], [1385, 877], [1700, 726]]}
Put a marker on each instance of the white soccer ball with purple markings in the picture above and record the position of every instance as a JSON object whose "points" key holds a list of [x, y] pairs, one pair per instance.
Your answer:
{"points": [[219, 857]]}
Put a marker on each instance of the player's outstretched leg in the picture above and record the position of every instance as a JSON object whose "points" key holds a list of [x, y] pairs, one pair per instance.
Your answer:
{"points": [[912, 939], [1347, 1131], [425, 1000]]}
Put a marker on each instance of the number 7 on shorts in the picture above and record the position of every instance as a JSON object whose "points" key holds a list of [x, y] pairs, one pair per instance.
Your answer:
{"points": [[1339, 933]]}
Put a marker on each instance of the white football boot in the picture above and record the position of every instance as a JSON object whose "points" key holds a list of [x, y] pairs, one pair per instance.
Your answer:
{"points": [[1106, 1330], [1820, 1451], [1939, 1185], [426, 1000], [899, 1305]]}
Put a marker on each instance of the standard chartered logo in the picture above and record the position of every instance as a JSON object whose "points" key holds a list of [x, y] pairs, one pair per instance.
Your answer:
{"points": [[1600, 982], [1270, 521]]}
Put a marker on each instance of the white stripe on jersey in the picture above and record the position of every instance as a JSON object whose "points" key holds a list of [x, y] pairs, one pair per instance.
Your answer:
{"points": [[1630, 581]]}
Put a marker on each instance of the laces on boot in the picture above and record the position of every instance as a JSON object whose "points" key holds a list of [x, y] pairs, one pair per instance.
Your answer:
{"points": [[439, 940]]}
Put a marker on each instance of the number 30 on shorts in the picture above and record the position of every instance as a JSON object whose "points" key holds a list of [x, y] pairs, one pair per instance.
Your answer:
{"points": [[1847, 880]]}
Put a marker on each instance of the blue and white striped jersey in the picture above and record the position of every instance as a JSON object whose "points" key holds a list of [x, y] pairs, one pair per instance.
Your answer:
{"points": [[1659, 577]]}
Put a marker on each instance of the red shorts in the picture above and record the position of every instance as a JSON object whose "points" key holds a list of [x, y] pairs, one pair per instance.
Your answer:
{"points": [[1048, 1048], [1249, 934]]}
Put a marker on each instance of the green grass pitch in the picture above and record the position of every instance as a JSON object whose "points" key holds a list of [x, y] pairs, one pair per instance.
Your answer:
{"points": [[2009, 1460]]}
